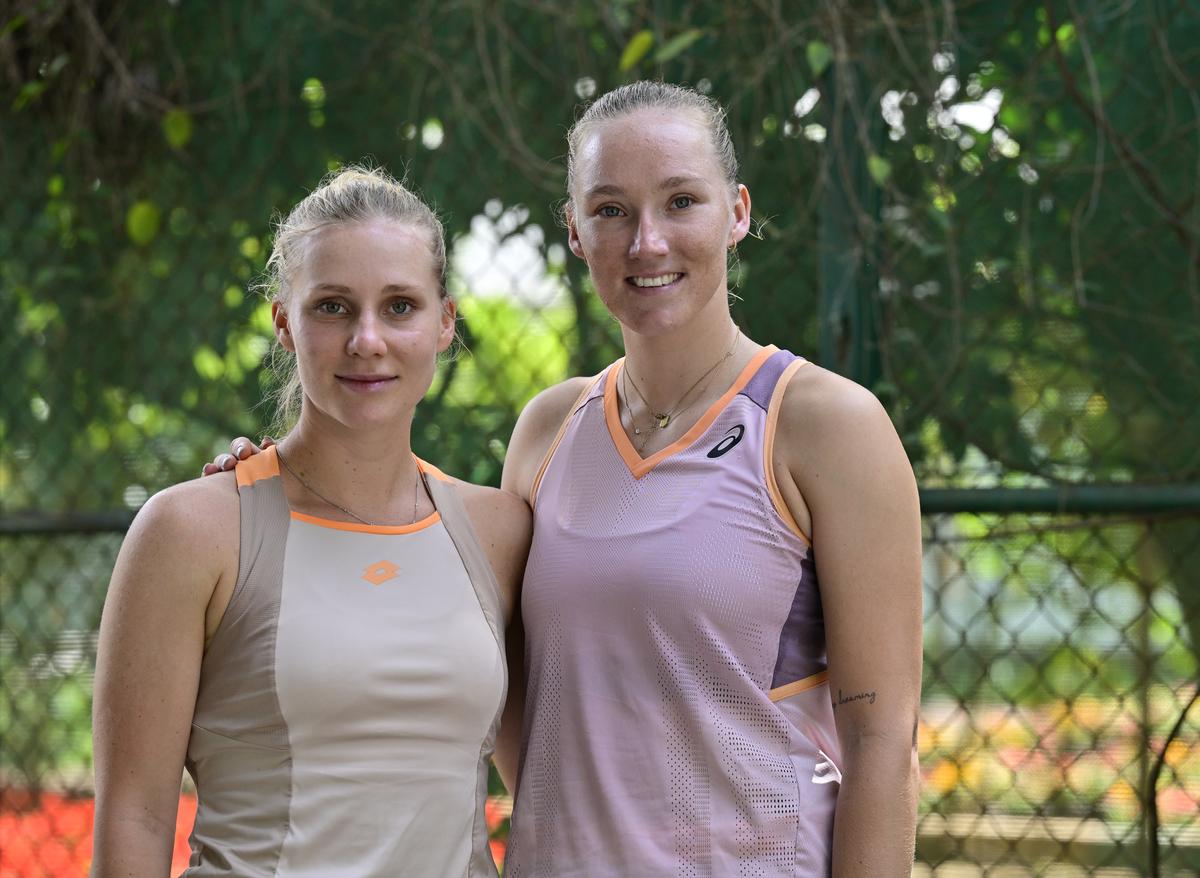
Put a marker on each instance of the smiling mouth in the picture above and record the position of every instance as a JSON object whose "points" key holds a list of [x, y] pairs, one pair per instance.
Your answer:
{"points": [[658, 280]]}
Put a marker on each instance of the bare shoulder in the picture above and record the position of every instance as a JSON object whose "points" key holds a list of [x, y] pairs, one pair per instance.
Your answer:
{"points": [[198, 513], [543, 414], [835, 440], [183, 545], [820, 405], [535, 431]]}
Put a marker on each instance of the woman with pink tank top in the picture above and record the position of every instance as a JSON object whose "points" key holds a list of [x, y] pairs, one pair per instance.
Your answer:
{"points": [[318, 638], [722, 605]]}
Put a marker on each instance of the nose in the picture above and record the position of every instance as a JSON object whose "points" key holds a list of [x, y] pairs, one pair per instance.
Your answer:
{"points": [[648, 238], [366, 338]]}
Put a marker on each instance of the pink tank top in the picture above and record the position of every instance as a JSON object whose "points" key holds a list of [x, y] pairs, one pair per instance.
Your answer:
{"points": [[678, 718]]}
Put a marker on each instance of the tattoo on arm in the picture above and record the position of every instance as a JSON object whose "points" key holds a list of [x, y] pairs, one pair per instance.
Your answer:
{"points": [[841, 699]]}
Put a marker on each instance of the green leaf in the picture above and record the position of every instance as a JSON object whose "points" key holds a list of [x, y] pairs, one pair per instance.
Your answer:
{"points": [[13, 25], [637, 48], [177, 128], [208, 363], [819, 56], [29, 93], [879, 168], [677, 44], [313, 93], [141, 222]]}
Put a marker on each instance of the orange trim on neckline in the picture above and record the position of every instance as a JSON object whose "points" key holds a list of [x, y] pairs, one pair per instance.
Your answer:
{"points": [[639, 466], [264, 465], [431, 519]]}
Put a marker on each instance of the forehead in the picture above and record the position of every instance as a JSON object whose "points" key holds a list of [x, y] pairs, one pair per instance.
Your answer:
{"points": [[378, 249], [646, 145]]}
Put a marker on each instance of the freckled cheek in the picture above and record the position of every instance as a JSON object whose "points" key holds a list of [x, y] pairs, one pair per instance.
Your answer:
{"points": [[315, 341], [607, 246]]}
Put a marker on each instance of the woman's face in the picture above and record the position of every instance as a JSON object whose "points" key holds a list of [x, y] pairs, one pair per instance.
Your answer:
{"points": [[366, 320], [654, 217]]}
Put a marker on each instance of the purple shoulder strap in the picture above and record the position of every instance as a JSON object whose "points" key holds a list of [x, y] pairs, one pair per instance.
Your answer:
{"points": [[762, 385]]}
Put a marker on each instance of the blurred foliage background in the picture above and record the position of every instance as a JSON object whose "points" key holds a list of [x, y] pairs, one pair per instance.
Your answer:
{"points": [[987, 212]]}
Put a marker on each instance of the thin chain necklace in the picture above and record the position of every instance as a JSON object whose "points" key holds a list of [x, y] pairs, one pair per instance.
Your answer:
{"points": [[299, 478], [662, 419]]}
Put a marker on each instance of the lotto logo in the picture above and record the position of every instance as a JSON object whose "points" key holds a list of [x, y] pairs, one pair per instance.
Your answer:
{"points": [[380, 572]]}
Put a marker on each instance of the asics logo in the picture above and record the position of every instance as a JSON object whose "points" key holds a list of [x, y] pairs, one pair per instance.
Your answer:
{"points": [[732, 438]]}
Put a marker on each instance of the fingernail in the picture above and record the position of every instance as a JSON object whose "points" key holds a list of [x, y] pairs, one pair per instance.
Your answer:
{"points": [[238, 449]]}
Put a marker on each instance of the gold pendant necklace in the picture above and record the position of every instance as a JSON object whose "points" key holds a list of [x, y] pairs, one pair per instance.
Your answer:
{"points": [[299, 478], [662, 419]]}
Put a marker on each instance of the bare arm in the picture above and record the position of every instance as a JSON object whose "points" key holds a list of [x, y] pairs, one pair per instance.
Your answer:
{"points": [[159, 608], [531, 439], [846, 473], [504, 525]]}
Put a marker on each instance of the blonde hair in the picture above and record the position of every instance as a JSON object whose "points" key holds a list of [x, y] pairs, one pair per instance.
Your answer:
{"points": [[657, 95], [352, 194]]}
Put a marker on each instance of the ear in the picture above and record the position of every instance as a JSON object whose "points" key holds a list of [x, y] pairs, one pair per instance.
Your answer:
{"points": [[573, 233], [449, 320], [283, 331], [741, 216]]}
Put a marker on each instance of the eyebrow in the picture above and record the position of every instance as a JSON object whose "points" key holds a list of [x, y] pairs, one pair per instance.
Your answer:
{"points": [[677, 182], [344, 290], [604, 190], [669, 183]]}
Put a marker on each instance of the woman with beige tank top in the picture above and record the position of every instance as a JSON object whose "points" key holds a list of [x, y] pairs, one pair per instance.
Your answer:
{"points": [[318, 637]]}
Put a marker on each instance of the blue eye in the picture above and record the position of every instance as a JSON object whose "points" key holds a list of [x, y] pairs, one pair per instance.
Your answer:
{"points": [[682, 201], [400, 307], [610, 210], [330, 308]]}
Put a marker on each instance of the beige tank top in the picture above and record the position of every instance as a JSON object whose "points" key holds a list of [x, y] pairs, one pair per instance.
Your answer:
{"points": [[349, 699]]}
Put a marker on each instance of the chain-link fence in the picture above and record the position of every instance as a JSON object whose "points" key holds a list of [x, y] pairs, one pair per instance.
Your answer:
{"points": [[985, 212], [1057, 672]]}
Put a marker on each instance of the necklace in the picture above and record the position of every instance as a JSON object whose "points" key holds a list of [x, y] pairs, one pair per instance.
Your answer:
{"points": [[662, 419], [299, 478]]}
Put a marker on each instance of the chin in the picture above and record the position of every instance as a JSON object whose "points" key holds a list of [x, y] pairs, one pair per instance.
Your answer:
{"points": [[656, 320], [364, 418]]}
